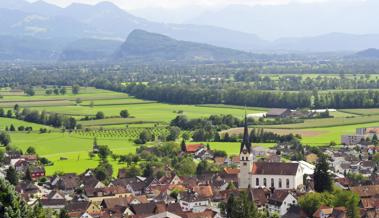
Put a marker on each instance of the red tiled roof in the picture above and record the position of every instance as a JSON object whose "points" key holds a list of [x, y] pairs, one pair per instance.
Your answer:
{"points": [[274, 168], [231, 171], [192, 148]]}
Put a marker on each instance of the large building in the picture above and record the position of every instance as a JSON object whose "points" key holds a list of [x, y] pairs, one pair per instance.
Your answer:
{"points": [[264, 174]]}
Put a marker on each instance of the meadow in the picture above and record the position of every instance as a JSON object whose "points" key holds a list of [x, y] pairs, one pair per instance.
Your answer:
{"points": [[69, 150]]}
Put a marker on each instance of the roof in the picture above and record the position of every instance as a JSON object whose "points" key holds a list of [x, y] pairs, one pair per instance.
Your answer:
{"points": [[147, 208], [190, 196], [192, 148], [77, 206], [278, 197], [53, 202], [233, 171], [204, 191], [295, 211], [277, 111], [366, 191], [259, 196], [275, 168], [246, 143], [113, 202]]}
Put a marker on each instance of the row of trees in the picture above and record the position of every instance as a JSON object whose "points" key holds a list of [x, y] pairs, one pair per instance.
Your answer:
{"points": [[192, 94]]}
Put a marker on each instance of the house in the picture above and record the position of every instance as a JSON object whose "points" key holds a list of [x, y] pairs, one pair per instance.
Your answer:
{"points": [[76, 208], [367, 191], [191, 201], [259, 196], [37, 172], [329, 212], [352, 139], [278, 113], [280, 201], [193, 148], [99, 194], [67, 182], [295, 211], [266, 174]]}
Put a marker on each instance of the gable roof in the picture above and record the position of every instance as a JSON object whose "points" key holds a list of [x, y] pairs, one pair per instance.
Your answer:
{"points": [[278, 197], [192, 148], [110, 203], [147, 208], [366, 191], [277, 111], [274, 168]]}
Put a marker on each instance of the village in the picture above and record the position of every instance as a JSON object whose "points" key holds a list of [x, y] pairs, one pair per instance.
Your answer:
{"points": [[272, 181]]}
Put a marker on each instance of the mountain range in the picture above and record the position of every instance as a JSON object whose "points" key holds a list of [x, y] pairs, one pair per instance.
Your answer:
{"points": [[141, 45], [42, 31]]}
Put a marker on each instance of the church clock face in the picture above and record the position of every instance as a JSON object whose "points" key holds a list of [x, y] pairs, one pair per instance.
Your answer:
{"points": [[244, 151]]}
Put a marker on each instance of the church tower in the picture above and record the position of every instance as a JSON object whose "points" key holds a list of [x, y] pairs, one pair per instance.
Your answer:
{"points": [[246, 159]]}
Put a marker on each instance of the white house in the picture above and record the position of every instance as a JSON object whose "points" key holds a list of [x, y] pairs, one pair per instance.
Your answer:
{"points": [[266, 174], [191, 201], [280, 201]]}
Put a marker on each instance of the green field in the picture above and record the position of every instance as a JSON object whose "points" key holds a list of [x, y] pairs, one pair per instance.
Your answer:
{"points": [[119, 133]]}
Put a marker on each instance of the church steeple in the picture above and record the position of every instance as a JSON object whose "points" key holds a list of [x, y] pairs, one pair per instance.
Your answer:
{"points": [[246, 144]]}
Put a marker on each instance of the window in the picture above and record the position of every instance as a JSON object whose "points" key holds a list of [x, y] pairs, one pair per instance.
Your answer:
{"points": [[257, 181], [272, 182], [287, 183], [280, 183], [264, 182]]}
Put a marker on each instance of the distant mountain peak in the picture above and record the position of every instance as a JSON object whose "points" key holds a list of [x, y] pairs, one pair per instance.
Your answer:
{"points": [[148, 46], [368, 53]]}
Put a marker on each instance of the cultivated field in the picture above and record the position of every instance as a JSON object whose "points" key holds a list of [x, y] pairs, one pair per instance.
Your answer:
{"points": [[69, 151]]}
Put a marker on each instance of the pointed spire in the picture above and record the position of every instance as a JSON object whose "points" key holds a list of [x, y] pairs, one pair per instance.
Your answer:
{"points": [[246, 139]]}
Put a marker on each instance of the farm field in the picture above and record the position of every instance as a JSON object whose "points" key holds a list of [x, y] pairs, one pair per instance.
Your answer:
{"points": [[69, 151], [327, 122]]}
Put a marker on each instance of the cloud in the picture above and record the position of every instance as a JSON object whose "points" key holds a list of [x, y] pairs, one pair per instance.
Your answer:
{"points": [[136, 4]]}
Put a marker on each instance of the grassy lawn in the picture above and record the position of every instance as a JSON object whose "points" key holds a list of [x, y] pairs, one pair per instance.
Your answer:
{"points": [[56, 145], [368, 112], [328, 122], [7, 122]]}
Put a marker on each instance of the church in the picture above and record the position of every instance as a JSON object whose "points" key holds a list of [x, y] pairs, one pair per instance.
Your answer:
{"points": [[266, 174]]}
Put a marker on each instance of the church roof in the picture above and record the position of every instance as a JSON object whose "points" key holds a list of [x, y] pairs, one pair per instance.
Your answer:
{"points": [[246, 144], [267, 168]]}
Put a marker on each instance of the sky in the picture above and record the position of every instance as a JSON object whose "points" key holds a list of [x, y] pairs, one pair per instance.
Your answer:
{"points": [[174, 4]]}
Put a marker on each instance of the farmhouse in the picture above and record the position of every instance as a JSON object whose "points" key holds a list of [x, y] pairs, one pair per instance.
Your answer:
{"points": [[266, 174], [278, 113]]}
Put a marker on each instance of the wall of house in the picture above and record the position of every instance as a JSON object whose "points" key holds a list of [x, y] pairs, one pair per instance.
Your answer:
{"points": [[292, 181]]}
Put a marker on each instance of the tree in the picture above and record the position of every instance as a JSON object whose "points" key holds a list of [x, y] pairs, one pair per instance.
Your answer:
{"points": [[12, 128], [62, 91], [9, 114], [104, 171], [31, 150], [91, 155], [29, 91], [144, 137], [100, 115], [183, 146], [173, 133], [11, 204], [186, 167], [322, 179], [11, 176], [75, 89], [70, 123], [104, 152], [124, 113], [2, 112], [239, 207], [63, 214], [5, 139]]}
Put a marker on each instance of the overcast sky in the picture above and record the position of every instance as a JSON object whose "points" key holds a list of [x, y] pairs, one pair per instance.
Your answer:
{"points": [[138, 4]]}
